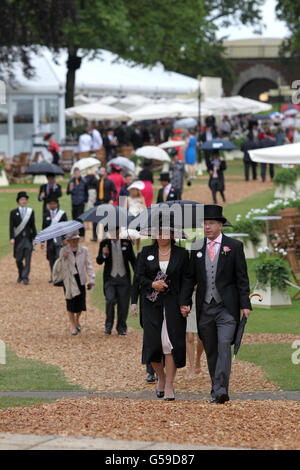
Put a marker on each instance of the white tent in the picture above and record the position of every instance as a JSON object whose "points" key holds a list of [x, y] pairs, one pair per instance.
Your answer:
{"points": [[97, 111], [289, 154], [166, 109]]}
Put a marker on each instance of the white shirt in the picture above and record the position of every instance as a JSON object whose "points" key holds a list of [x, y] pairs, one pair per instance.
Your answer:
{"points": [[85, 143], [22, 211], [97, 141]]}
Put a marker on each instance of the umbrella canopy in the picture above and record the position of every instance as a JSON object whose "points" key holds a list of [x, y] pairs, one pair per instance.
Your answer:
{"points": [[289, 154], [97, 111], [153, 152], [163, 110], [57, 230], [85, 164], [171, 144], [109, 215], [180, 214], [44, 168], [186, 123], [289, 106], [218, 144], [123, 163]]}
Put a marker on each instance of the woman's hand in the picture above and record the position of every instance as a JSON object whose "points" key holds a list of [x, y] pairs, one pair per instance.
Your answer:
{"points": [[65, 255], [159, 285], [185, 310]]}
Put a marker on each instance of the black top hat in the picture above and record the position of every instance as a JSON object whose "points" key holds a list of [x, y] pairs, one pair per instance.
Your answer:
{"points": [[214, 212], [22, 194], [52, 198], [165, 176]]}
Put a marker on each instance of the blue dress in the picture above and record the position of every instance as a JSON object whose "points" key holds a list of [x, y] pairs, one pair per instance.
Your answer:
{"points": [[190, 153]]}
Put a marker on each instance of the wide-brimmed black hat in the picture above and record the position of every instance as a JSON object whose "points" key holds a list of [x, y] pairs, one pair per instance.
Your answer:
{"points": [[164, 176], [214, 212], [22, 194]]}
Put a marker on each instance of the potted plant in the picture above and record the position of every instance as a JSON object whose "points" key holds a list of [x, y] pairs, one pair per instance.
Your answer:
{"points": [[271, 275], [285, 181]]}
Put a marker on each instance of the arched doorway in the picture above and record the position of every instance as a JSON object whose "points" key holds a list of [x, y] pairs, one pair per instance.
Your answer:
{"points": [[253, 88]]}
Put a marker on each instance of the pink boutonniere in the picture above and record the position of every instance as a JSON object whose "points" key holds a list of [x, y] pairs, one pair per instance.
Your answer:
{"points": [[226, 250]]}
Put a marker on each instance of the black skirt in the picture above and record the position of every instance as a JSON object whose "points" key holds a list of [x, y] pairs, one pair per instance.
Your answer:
{"points": [[78, 303]]}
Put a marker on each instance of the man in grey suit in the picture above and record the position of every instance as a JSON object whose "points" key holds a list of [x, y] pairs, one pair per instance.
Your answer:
{"points": [[220, 272]]}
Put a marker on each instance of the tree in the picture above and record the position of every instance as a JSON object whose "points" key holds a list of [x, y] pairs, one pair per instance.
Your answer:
{"points": [[289, 12]]}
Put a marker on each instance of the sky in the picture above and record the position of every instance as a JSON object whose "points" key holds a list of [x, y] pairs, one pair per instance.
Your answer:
{"points": [[273, 27]]}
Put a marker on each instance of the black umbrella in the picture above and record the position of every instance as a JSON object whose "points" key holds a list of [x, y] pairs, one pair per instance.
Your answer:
{"points": [[111, 216], [44, 168], [218, 144], [181, 214], [241, 328]]}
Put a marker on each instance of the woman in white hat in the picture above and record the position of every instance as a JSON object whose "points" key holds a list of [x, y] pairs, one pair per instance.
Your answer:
{"points": [[135, 204], [76, 266]]}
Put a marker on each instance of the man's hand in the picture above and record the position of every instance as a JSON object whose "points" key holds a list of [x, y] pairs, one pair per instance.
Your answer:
{"points": [[12, 241], [246, 312], [110, 202], [185, 310], [159, 285], [105, 251]]}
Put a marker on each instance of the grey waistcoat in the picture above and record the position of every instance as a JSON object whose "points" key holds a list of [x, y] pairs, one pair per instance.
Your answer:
{"points": [[211, 271], [118, 267]]}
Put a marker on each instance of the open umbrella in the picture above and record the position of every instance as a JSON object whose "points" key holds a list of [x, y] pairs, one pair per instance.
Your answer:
{"points": [[123, 163], [44, 168], [185, 123], [109, 215], [171, 144], [218, 144], [289, 106], [241, 328], [57, 230], [153, 152], [86, 163]]}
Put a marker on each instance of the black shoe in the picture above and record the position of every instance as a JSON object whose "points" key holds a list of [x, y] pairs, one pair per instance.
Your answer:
{"points": [[50, 280], [19, 280], [122, 332], [150, 378], [169, 399], [78, 329], [213, 400], [26, 282], [222, 398], [159, 394], [107, 332], [94, 239]]}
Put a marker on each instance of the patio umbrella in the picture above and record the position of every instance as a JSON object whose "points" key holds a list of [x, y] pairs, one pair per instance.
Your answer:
{"points": [[241, 328], [97, 111], [123, 163], [280, 154], [57, 230], [153, 152], [85, 164], [44, 168], [218, 144], [171, 144]]}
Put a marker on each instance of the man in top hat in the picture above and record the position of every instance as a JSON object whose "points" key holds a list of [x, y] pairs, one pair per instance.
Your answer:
{"points": [[49, 190], [22, 231], [53, 148], [53, 215], [117, 255], [167, 192], [219, 270]]}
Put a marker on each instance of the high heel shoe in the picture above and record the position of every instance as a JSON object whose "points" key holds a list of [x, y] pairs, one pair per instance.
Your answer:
{"points": [[159, 394], [170, 398]]}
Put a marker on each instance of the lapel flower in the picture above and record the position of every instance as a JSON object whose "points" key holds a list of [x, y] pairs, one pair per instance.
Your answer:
{"points": [[226, 250]]}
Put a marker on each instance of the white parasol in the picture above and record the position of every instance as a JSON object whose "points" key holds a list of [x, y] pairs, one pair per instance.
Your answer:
{"points": [[153, 152], [171, 144], [289, 154], [86, 163]]}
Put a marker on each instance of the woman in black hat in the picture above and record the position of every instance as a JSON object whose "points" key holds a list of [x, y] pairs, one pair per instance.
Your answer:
{"points": [[161, 270], [22, 232]]}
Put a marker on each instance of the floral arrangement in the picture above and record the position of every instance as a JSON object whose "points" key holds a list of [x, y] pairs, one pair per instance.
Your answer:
{"points": [[271, 271]]}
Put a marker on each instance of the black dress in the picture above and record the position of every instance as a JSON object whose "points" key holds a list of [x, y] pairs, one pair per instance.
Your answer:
{"points": [[148, 267], [77, 304]]}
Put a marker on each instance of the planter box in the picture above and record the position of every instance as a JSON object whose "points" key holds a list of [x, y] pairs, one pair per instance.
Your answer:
{"points": [[250, 249], [285, 192], [3, 179], [272, 298]]}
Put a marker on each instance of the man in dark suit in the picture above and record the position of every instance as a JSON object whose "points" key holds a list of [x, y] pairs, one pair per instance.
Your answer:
{"points": [[249, 144], [167, 192], [210, 133], [219, 270], [117, 254], [78, 189], [53, 215], [22, 231], [48, 190], [106, 193], [267, 141]]}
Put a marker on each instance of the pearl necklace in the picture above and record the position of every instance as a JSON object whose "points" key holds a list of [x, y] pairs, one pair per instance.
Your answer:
{"points": [[164, 253]]}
